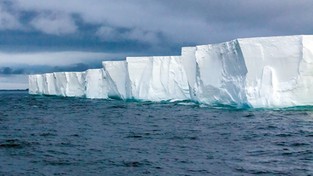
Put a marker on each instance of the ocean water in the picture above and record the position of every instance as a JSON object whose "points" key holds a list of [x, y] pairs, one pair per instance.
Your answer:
{"points": [[73, 136]]}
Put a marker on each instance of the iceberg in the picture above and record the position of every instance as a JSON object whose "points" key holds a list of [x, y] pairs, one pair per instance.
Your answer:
{"points": [[264, 72]]}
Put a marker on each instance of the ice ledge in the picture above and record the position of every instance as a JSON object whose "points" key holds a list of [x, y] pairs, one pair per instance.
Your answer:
{"points": [[263, 72]]}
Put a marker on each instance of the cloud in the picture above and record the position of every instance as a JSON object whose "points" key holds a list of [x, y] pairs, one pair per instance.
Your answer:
{"points": [[44, 62], [54, 23], [60, 58], [171, 23], [38, 69], [110, 34], [141, 35], [188, 21], [9, 71], [14, 67], [8, 21], [74, 67]]}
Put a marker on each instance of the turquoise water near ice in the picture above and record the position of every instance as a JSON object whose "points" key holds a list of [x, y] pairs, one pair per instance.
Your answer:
{"points": [[73, 136]]}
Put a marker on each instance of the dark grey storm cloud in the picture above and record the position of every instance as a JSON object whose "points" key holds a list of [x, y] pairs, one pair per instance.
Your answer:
{"points": [[9, 70], [159, 22], [31, 69]]}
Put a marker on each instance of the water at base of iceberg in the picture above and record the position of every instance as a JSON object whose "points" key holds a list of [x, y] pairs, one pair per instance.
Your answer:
{"points": [[75, 136]]}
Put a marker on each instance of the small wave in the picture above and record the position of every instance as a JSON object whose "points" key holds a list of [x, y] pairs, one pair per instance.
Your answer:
{"points": [[136, 163], [259, 172], [47, 134], [138, 135], [118, 107], [249, 115], [284, 135], [58, 162], [13, 143], [299, 144], [184, 138]]}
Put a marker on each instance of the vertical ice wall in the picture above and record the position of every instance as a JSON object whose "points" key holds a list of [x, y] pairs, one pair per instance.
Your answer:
{"points": [[69, 84], [217, 74], [263, 72], [276, 70], [96, 84], [75, 84], [303, 92], [158, 78], [139, 71], [35, 84], [118, 79], [49, 87], [60, 83], [269, 73], [188, 60]]}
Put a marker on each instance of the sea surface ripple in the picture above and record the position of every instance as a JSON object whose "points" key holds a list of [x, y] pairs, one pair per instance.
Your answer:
{"points": [[75, 136]]}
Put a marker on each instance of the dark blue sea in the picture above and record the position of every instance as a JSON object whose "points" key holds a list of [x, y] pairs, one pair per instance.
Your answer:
{"points": [[74, 136]]}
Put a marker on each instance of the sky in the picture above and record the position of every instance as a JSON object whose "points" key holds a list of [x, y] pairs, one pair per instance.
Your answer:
{"points": [[74, 35]]}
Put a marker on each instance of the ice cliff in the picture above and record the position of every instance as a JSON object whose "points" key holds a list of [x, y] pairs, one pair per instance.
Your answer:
{"points": [[257, 72]]}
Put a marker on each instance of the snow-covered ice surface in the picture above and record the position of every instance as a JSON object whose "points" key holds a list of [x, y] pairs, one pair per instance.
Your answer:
{"points": [[266, 72]]}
